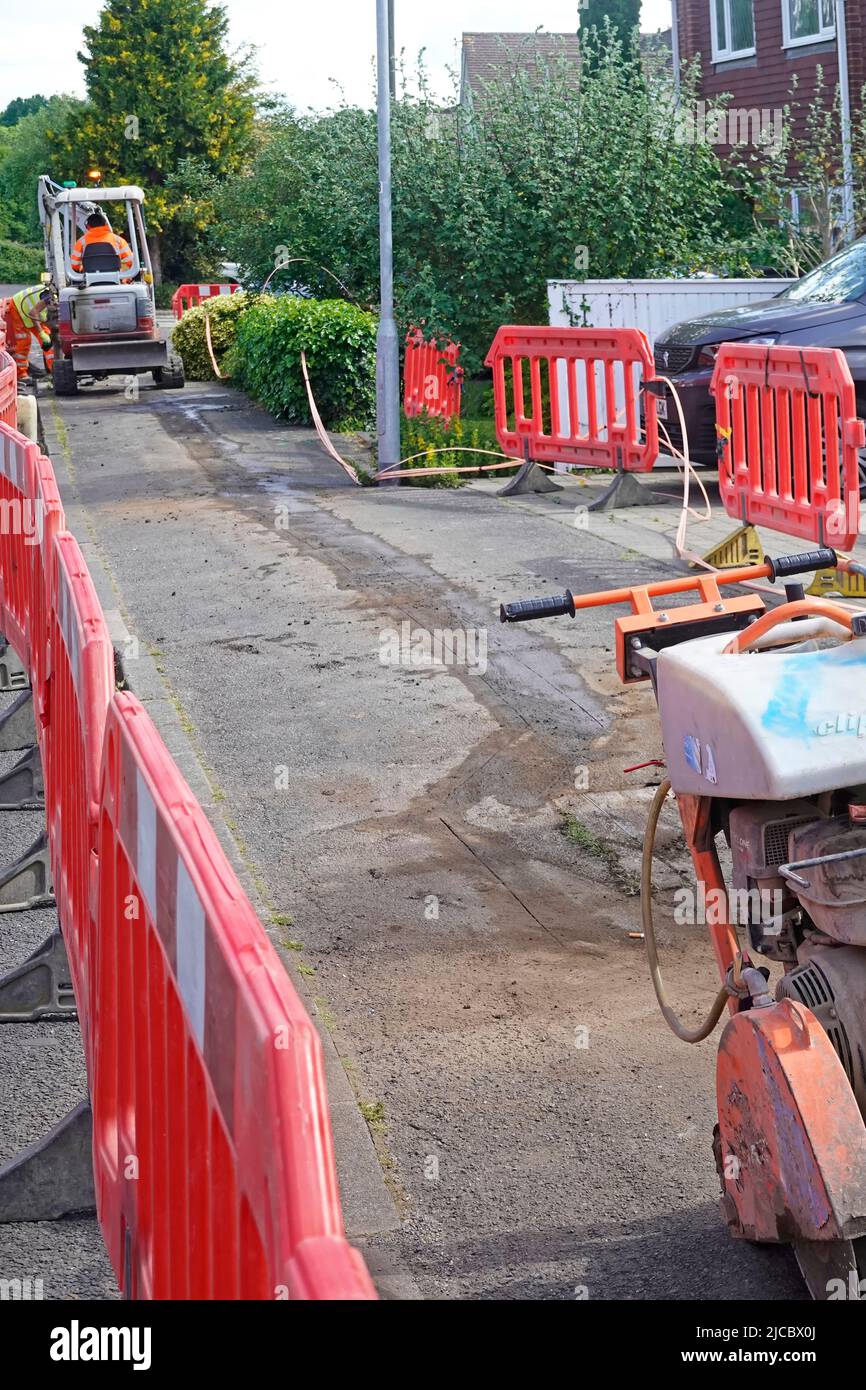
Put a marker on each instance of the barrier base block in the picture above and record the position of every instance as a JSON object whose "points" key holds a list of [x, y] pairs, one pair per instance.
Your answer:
{"points": [[41, 988], [54, 1176], [17, 729], [838, 582], [27, 882], [531, 478], [22, 787], [741, 547], [13, 674], [624, 491]]}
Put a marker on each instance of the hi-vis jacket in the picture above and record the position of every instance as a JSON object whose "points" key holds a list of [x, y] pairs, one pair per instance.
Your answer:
{"points": [[95, 234], [30, 310]]}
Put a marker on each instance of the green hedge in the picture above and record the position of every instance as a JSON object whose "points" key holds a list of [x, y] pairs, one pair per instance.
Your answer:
{"points": [[20, 265], [224, 312], [339, 340]]}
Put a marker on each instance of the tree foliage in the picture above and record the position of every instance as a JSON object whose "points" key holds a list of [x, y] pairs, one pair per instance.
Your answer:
{"points": [[619, 19], [553, 175], [19, 107], [161, 88], [26, 151]]}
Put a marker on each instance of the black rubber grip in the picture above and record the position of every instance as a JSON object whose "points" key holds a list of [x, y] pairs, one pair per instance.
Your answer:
{"points": [[823, 559], [525, 609]]}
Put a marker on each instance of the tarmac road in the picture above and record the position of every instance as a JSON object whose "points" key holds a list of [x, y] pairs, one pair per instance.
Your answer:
{"points": [[540, 1132]]}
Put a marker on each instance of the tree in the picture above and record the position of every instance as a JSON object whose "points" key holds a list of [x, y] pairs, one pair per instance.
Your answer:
{"points": [[21, 106], [617, 18], [161, 88], [549, 176], [26, 151]]}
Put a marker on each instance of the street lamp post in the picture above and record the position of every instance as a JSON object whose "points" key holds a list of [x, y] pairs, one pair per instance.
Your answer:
{"points": [[387, 349], [848, 210]]}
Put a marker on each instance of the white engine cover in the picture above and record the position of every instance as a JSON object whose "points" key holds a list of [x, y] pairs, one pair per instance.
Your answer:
{"points": [[766, 725]]}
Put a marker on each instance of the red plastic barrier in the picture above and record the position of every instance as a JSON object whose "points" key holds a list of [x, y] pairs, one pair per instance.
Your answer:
{"points": [[8, 378], [187, 296], [49, 522], [789, 436], [80, 686], [212, 1146], [432, 377], [17, 536], [559, 366]]}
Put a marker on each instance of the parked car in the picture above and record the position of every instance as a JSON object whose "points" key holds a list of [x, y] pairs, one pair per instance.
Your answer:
{"points": [[827, 308]]}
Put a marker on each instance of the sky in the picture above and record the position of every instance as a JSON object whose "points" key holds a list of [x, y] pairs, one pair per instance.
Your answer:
{"points": [[304, 46]]}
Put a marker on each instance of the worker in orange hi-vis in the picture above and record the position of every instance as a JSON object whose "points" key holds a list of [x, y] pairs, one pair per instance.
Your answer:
{"points": [[98, 229], [26, 317]]}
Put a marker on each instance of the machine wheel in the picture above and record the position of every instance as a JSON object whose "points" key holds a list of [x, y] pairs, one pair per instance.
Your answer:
{"points": [[64, 378], [170, 377]]}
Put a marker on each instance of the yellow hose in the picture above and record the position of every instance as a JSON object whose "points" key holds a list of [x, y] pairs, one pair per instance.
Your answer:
{"points": [[689, 1035]]}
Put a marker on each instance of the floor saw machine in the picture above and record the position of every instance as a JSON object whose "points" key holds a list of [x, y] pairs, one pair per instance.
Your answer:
{"points": [[762, 706]]}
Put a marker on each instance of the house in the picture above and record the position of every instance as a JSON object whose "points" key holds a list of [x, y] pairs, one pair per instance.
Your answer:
{"points": [[488, 57], [753, 49]]}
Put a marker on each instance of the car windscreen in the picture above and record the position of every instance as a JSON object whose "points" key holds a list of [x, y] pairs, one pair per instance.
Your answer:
{"points": [[835, 282]]}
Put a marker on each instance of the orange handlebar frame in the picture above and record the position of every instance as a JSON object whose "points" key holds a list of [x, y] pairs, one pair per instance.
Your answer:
{"points": [[800, 608], [704, 584]]}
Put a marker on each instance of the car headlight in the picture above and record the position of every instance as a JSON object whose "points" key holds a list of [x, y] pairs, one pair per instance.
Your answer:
{"points": [[766, 340], [708, 354]]}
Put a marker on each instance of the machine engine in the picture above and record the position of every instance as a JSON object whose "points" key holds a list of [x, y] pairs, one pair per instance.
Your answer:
{"points": [[799, 886]]}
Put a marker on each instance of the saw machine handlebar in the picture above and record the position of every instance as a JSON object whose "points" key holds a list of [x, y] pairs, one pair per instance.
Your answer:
{"points": [[527, 610]]}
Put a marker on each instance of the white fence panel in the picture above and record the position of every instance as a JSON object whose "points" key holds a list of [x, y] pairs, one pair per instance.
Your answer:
{"points": [[652, 305]]}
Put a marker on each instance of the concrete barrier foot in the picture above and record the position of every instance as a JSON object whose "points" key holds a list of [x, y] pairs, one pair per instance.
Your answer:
{"points": [[54, 1176], [27, 882], [40, 988], [531, 478], [22, 787], [13, 673], [624, 491], [17, 729]]}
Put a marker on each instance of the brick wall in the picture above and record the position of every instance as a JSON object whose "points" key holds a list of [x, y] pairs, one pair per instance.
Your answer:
{"points": [[764, 81]]}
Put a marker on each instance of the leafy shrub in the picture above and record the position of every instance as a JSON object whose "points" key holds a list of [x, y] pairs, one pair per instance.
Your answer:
{"points": [[20, 264], [448, 446], [339, 340], [224, 312]]}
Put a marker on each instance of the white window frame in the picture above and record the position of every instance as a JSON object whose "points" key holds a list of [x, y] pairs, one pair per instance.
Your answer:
{"points": [[726, 55], [824, 33]]}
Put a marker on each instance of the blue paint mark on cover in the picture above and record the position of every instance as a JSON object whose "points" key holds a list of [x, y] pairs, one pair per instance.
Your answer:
{"points": [[801, 676], [786, 712], [692, 751]]}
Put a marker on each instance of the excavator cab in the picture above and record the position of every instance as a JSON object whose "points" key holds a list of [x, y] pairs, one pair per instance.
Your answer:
{"points": [[106, 312]]}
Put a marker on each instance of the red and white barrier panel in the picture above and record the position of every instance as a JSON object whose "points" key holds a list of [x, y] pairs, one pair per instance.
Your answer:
{"points": [[80, 686], [48, 522], [212, 1147], [572, 395], [432, 377], [8, 378], [789, 440], [17, 536], [188, 296]]}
